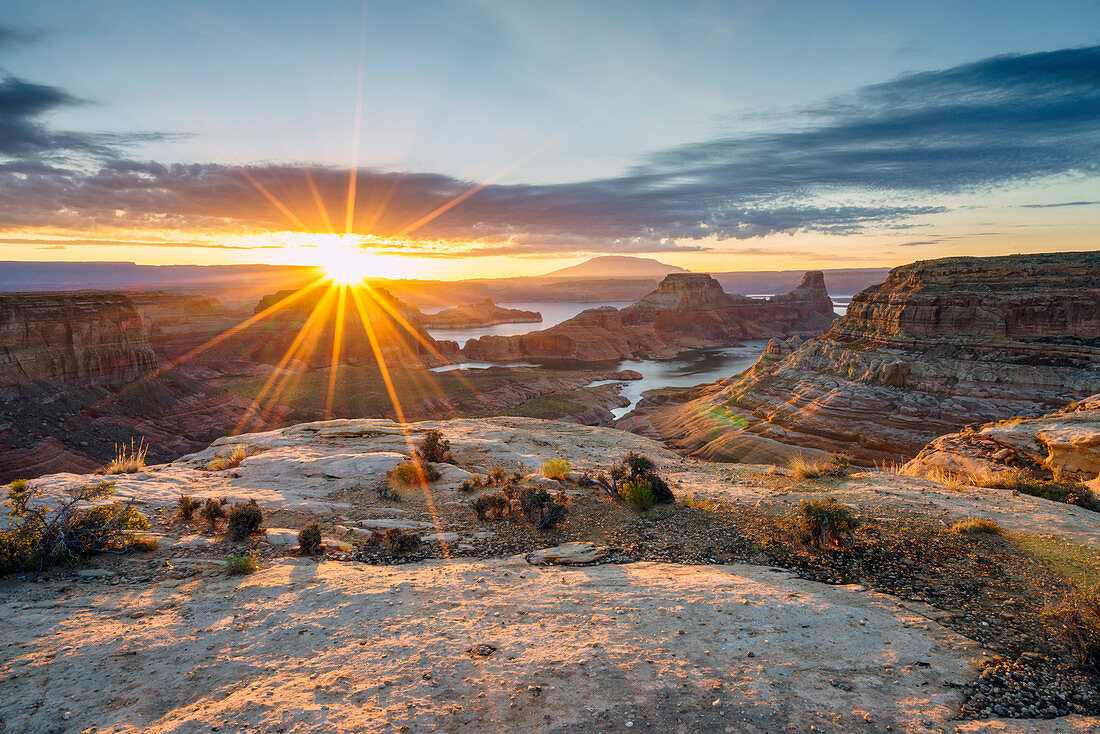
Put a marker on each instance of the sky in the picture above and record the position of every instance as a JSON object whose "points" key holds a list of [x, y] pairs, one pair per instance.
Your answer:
{"points": [[444, 139]]}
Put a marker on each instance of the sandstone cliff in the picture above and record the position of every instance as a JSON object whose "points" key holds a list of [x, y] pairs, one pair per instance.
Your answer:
{"points": [[70, 337], [483, 313], [688, 310], [939, 345]]}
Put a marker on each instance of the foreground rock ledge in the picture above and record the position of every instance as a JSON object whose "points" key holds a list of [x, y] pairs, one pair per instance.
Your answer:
{"points": [[302, 646]]}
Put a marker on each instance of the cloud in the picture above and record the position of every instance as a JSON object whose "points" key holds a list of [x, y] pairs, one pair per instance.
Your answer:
{"points": [[1064, 203], [900, 144], [10, 37], [917, 244]]}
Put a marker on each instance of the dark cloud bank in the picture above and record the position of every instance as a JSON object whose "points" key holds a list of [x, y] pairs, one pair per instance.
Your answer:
{"points": [[995, 122]]}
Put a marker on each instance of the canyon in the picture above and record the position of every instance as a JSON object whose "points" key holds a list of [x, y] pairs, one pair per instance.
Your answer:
{"points": [[939, 345], [687, 310]]}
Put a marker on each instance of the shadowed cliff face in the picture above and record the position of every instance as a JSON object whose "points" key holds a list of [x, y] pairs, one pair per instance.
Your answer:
{"points": [[687, 310], [70, 337], [939, 345]]}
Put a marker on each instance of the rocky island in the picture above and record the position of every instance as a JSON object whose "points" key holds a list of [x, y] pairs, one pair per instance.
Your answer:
{"points": [[483, 313]]}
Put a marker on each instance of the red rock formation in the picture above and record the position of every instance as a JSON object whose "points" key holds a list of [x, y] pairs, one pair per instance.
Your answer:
{"points": [[71, 337], [687, 310], [939, 345], [484, 313]]}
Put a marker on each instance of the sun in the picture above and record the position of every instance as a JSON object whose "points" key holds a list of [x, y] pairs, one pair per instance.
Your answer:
{"points": [[342, 258]]}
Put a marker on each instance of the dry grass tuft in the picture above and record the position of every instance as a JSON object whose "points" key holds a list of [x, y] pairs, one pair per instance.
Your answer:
{"points": [[1076, 622], [411, 474], [975, 526], [833, 465], [128, 458], [233, 460], [556, 468]]}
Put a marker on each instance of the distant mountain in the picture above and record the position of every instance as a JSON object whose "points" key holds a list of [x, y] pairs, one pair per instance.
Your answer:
{"points": [[617, 266]]}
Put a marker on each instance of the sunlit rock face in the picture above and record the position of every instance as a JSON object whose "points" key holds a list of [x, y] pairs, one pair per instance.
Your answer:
{"points": [[688, 310], [71, 337], [939, 345]]}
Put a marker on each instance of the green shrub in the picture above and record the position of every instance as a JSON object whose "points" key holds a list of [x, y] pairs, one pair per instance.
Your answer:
{"points": [[1058, 490], [640, 469], [638, 494], [39, 534], [238, 564], [186, 506], [827, 521], [212, 511], [556, 469], [128, 458], [434, 448], [492, 506], [18, 485], [244, 519], [309, 539], [539, 508]]}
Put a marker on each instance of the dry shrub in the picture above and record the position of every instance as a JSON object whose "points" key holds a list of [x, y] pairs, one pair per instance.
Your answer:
{"points": [[640, 470], [394, 540], [212, 511], [128, 458], [434, 448], [1057, 490], [244, 519], [411, 474], [186, 506], [494, 506], [556, 468], [833, 465], [309, 539], [975, 526], [826, 521], [1076, 621], [539, 508], [233, 460]]}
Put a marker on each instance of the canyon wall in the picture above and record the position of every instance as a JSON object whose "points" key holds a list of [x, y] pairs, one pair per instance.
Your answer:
{"points": [[71, 337], [939, 345], [687, 310]]}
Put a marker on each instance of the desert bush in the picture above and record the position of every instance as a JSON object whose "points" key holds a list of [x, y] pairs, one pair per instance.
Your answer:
{"points": [[38, 534], [638, 494], [696, 502], [833, 465], [238, 564], [539, 508], [497, 475], [492, 506], [18, 485], [309, 539], [469, 485], [974, 526], [212, 511], [395, 540], [144, 543], [826, 521], [233, 460], [1076, 621], [128, 458], [434, 448], [638, 468], [411, 474], [556, 468], [1058, 490], [186, 506], [244, 519]]}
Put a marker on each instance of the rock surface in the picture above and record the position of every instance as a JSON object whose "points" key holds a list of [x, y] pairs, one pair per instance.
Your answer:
{"points": [[71, 337], [939, 345], [1066, 442], [687, 310]]}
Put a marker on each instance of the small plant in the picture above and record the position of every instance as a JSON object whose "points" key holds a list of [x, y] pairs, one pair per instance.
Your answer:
{"points": [[1056, 490], [975, 526], [556, 468], [244, 519], [539, 508], [395, 540], [18, 485], [233, 460], [638, 494], [1076, 621], [212, 511], [696, 502], [144, 543], [238, 564], [186, 506], [496, 476], [309, 539], [641, 469], [470, 485], [434, 448], [492, 506], [833, 465], [128, 458], [827, 521], [411, 474]]}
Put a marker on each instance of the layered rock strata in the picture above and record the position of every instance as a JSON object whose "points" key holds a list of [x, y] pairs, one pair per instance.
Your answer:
{"points": [[71, 337], [939, 345], [688, 310]]}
